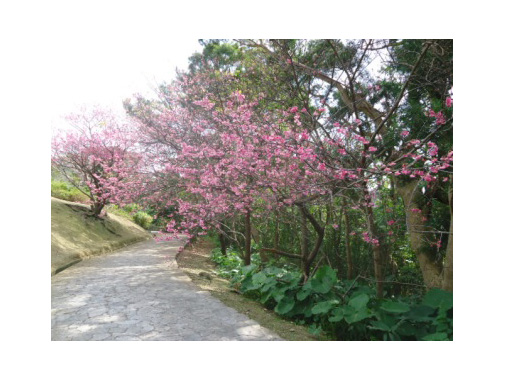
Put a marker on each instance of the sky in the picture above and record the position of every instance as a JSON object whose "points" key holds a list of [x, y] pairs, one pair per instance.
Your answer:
{"points": [[64, 54], [108, 71]]}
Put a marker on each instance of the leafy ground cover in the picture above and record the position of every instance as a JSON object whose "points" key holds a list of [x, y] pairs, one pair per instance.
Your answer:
{"points": [[195, 261], [339, 309]]}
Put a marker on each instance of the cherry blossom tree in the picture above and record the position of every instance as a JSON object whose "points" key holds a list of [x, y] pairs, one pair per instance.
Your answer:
{"points": [[315, 132], [382, 148], [99, 156]]}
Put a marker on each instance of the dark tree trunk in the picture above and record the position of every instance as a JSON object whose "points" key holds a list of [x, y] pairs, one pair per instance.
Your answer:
{"points": [[223, 243], [276, 235], [350, 268], [308, 258], [248, 235], [304, 244], [377, 249], [378, 264], [96, 208]]}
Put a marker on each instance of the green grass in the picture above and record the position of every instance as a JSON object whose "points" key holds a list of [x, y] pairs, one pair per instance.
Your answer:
{"points": [[65, 191], [76, 236]]}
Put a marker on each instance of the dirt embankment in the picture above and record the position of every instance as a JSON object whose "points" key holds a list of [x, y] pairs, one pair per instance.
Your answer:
{"points": [[76, 236]]}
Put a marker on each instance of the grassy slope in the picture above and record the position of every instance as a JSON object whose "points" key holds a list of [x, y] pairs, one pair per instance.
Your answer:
{"points": [[75, 236]]}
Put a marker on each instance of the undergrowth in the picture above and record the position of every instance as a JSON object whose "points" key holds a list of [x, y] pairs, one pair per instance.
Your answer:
{"points": [[342, 309]]}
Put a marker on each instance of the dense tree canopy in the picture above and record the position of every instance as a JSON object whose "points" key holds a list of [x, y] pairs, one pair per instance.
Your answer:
{"points": [[320, 129]]}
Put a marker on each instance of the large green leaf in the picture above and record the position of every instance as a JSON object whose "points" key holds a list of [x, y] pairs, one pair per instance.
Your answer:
{"points": [[379, 325], [421, 313], [359, 301], [436, 336], [265, 297], [353, 316], [325, 272], [324, 307], [321, 287], [278, 293], [438, 298], [337, 315], [395, 307], [259, 278], [407, 330], [302, 294], [269, 284], [249, 269], [285, 305], [256, 282], [322, 281]]}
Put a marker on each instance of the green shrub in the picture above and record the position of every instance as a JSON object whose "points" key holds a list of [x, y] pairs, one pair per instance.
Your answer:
{"points": [[116, 210], [343, 309], [67, 192], [132, 208], [143, 219]]}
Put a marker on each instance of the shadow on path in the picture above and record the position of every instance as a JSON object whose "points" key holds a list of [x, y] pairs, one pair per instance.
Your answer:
{"points": [[138, 293]]}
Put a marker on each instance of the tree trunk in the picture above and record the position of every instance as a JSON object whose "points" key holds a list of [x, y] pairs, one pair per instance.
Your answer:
{"points": [[309, 258], [338, 256], [350, 268], [377, 249], [276, 235], [377, 253], [248, 235], [431, 265], [223, 243], [96, 208], [447, 282], [304, 243]]}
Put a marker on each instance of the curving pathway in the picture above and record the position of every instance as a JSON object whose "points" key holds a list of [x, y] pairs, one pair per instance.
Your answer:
{"points": [[138, 293]]}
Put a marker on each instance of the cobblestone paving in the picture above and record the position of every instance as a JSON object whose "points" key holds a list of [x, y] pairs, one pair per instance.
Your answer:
{"points": [[138, 293]]}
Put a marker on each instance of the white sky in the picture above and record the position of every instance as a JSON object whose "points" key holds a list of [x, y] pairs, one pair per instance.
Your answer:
{"points": [[63, 54], [107, 69]]}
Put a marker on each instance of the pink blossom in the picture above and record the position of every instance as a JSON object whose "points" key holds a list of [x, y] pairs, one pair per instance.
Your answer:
{"points": [[448, 101], [372, 149]]}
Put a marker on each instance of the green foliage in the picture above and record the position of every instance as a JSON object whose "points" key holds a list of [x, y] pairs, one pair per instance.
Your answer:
{"points": [[133, 212], [143, 219], [64, 190], [229, 265], [116, 210], [132, 208], [343, 309]]}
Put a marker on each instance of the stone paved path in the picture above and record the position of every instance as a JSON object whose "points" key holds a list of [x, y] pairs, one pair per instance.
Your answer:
{"points": [[138, 293]]}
